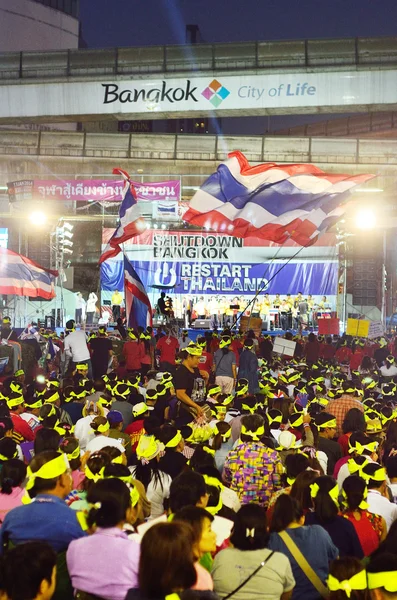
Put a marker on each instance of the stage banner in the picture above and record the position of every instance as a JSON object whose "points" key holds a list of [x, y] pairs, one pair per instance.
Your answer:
{"points": [[318, 279], [85, 190], [192, 262]]}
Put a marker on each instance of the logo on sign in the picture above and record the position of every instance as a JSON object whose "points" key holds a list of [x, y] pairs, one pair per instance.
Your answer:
{"points": [[165, 275], [216, 93]]}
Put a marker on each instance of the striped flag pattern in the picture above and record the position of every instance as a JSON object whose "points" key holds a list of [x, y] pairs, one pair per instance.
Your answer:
{"points": [[23, 277], [131, 222], [137, 303], [271, 201]]}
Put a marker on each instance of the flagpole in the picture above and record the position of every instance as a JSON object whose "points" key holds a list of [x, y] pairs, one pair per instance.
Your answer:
{"points": [[264, 286]]}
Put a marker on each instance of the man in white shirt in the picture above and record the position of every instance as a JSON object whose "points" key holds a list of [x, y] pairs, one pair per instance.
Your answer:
{"points": [[377, 493], [76, 348]]}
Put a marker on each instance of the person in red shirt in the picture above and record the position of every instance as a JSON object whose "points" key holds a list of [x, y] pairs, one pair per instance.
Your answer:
{"points": [[136, 429], [357, 357], [133, 352], [327, 351], [236, 346], [312, 349], [344, 353], [16, 404], [167, 346], [206, 359]]}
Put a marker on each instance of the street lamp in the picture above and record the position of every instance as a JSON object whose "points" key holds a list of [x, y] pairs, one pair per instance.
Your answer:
{"points": [[365, 219], [38, 218]]}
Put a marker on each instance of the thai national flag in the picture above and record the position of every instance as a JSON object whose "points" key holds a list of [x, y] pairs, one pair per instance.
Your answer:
{"points": [[131, 223], [137, 303], [21, 276], [270, 201]]}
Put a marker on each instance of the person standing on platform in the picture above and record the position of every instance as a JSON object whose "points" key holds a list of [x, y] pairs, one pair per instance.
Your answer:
{"points": [[79, 308], [265, 311], [91, 307], [117, 301], [102, 351], [200, 308]]}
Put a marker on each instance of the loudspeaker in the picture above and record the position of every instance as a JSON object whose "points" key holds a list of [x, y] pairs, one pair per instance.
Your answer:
{"points": [[202, 324], [367, 259]]}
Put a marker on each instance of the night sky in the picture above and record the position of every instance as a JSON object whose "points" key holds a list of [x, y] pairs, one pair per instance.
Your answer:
{"points": [[153, 22]]}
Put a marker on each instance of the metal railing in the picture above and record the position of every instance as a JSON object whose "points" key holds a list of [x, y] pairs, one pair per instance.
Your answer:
{"points": [[152, 60], [157, 147]]}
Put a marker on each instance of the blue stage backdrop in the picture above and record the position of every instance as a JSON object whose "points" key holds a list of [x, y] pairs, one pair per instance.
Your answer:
{"points": [[316, 278]]}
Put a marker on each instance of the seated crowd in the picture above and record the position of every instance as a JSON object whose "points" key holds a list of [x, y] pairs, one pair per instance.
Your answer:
{"points": [[236, 473]]}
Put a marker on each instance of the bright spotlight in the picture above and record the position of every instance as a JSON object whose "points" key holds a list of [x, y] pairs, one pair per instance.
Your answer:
{"points": [[38, 218], [366, 219]]}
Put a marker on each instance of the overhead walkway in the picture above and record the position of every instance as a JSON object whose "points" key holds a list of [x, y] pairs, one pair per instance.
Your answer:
{"points": [[253, 78]]}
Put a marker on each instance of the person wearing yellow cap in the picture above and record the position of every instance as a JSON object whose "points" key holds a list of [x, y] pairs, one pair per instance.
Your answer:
{"points": [[378, 501], [252, 469], [325, 497], [47, 518]]}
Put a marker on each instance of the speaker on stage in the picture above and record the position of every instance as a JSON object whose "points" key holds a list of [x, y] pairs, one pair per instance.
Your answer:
{"points": [[202, 324]]}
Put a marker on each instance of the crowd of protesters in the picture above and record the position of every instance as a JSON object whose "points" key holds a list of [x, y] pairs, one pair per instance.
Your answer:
{"points": [[203, 469]]}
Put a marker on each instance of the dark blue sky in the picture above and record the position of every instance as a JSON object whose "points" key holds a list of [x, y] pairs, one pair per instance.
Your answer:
{"points": [[152, 22]]}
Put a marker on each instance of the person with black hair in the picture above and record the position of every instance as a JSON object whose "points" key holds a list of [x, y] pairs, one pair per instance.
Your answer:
{"points": [[166, 565], [147, 470], [312, 542], [370, 528], [340, 406], [101, 352], [354, 421], [28, 571], [391, 469], [294, 465], [204, 544], [47, 518], [46, 439], [378, 501], [12, 476], [362, 449], [100, 426], [347, 579], [326, 425], [250, 549], [225, 365], [248, 366], [324, 492], [173, 461], [106, 563], [188, 489], [70, 446], [382, 577]]}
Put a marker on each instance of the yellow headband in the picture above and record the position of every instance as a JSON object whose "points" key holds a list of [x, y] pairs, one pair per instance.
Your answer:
{"points": [[90, 475], [298, 422], [209, 450], [356, 468], [5, 458], [227, 400], [359, 448], [62, 430], [134, 494], [54, 468], [74, 454], [331, 423], [103, 428], [363, 504], [82, 367], [226, 436], [118, 460], [132, 335], [333, 493], [53, 398], [214, 482], [174, 441], [215, 390], [277, 419], [357, 582], [224, 343], [250, 409], [37, 404], [387, 580], [253, 434], [379, 475], [104, 401], [242, 390], [194, 350], [13, 402]]}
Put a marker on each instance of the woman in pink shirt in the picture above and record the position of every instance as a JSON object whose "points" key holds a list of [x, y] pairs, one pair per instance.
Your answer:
{"points": [[12, 475], [70, 446]]}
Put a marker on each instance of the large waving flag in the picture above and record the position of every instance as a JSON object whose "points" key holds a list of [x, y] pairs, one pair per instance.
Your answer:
{"points": [[137, 303], [271, 201], [131, 222], [24, 277]]}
